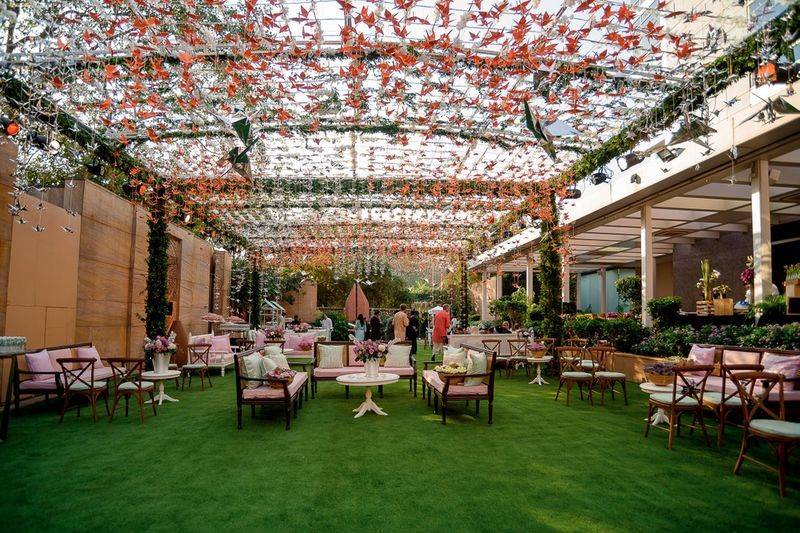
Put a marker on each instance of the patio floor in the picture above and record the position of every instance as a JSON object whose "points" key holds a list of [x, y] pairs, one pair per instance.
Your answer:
{"points": [[541, 466]]}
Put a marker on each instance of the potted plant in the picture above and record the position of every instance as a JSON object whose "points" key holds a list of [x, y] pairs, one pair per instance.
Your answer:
{"points": [[707, 278], [746, 277], [723, 306], [370, 352], [12, 344], [280, 376], [274, 334], [793, 272], [160, 350], [661, 373]]}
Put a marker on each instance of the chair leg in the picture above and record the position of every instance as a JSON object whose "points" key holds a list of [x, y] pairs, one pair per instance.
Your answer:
{"points": [[140, 400], [435, 403], [346, 392], [208, 377], [444, 412], [672, 420], [288, 415], [183, 379], [415, 385], [569, 389], [491, 407], [560, 383], [239, 417], [93, 405], [252, 411], [703, 427], [591, 387], [647, 420], [723, 415], [202, 376], [477, 407], [782, 465], [114, 408], [127, 399], [624, 391], [380, 390], [64, 407], [105, 397]]}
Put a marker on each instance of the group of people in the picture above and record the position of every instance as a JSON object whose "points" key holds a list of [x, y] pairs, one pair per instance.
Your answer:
{"points": [[404, 326]]}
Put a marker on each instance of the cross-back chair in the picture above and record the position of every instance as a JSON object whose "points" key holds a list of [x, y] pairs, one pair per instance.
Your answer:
{"points": [[518, 349], [78, 380], [765, 421], [605, 378], [197, 363], [493, 345], [128, 382], [688, 387], [726, 401], [571, 371]]}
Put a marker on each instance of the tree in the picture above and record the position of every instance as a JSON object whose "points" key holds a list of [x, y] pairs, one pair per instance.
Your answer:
{"points": [[629, 289]]}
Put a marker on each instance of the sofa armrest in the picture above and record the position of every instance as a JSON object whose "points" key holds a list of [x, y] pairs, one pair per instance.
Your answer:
{"points": [[426, 363]]}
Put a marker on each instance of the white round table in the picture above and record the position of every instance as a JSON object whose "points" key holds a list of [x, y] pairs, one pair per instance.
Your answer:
{"points": [[659, 417], [539, 361], [361, 380], [160, 378]]}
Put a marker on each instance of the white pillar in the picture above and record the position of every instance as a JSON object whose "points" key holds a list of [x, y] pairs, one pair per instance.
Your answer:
{"points": [[648, 262], [499, 281], [565, 278], [529, 277], [485, 295], [762, 240], [603, 296], [577, 290]]}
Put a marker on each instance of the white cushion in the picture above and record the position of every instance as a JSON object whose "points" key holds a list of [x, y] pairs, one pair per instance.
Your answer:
{"points": [[134, 385], [252, 368], [273, 349], [455, 355], [476, 364], [267, 366], [780, 428], [398, 355], [279, 359], [330, 356]]}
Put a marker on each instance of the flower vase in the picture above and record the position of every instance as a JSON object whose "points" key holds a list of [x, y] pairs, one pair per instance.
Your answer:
{"points": [[372, 367], [161, 363]]}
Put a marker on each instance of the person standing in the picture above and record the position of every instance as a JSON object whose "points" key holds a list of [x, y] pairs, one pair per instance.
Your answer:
{"points": [[360, 328], [375, 326], [327, 325], [441, 325], [400, 323], [412, 333]]}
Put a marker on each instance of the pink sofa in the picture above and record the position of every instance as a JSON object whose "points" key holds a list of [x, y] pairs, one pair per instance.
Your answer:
{"points": [[220, 355], [351, 366]]}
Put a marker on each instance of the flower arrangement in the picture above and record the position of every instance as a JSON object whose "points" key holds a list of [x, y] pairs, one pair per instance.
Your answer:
{"points": [[748, 274], [274, 333], [302, 327], [233, 319], [451, 369], [369, 350], [721, 291], [212, 317], [279, 376], [793, 271], [707, 277], [305, 346], [160, 344]]}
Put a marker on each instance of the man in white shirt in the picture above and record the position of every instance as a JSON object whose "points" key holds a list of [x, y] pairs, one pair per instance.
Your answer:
{"points": [[327, 325]]}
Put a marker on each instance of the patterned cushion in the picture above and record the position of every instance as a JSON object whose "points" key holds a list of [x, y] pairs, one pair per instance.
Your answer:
{"points": [[398, 355], [266, 392], [252, 367], [221, 343], [702, 356], [455, 355], [260, 340], [432, 378], [780, 428], [330, 356], [279, 360], [272, 349], [39, 362], [788, 366], [351, 357]]}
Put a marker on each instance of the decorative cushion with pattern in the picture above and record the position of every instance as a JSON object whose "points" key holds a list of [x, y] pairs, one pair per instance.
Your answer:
{"points": [[398, 355], [476, 364], [455, 355], [330, 356], [252, 367]]}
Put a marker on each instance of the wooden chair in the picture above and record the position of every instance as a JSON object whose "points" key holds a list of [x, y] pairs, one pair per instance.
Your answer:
{"points": [[688, 387], [754, 390], [128, 382], [275, 342], [728, 399], [198, 355], [493, 345], [570, 359], [576, 341], [550, 344], [518, 349], [604, 378], [74, 375]]}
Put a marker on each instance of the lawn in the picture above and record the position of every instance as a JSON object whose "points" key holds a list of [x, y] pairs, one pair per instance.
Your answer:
{"points": [[540, 466]]}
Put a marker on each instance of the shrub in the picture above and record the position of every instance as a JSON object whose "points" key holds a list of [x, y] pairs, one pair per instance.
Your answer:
{"points": [[624, 333], [629, 289], [772, 308], [341, 327], [668, 342], [664, 311]]}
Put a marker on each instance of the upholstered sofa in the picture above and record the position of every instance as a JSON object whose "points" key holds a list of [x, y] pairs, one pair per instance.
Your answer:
{"points": [[351, 366], [734, 355], [38, 373], [447, 391], [220, 355]]}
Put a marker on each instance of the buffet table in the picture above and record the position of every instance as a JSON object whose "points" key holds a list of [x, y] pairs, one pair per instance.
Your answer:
{"points": [[478, 338]]}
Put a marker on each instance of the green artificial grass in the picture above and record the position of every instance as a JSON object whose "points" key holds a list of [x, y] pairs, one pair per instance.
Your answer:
{"points": [[540, 466]]}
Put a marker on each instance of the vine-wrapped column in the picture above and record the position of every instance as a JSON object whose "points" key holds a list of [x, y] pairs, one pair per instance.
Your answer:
{"points": [[550, 274], [157, 305], [255, 294]]}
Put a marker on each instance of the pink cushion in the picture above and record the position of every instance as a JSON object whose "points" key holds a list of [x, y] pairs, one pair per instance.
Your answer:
{"points": [[48, 383], [460, 390], [55, 355], [788, 365], [265, 392], [292, 341], [201, 339], [221, 343], [220, 358], [336, 372], [100, 373], [39, 362], [403, 372], [702, 356], [261, 340], [351, 358], [89, 352], [735, 357]]}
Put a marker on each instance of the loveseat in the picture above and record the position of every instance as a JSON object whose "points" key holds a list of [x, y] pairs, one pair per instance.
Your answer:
{"points": [[349, 365], [220, 355]]}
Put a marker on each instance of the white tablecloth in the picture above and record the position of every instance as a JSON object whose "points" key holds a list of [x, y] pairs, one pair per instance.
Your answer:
{"points": [[476, 340]]}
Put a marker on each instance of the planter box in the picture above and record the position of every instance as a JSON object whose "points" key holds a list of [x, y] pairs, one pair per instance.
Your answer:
{"points": [[723, 306], [704, 308]]}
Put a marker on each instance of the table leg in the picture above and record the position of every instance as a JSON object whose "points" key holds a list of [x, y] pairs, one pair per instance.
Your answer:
{"points": [[161, 396], [659, 417], [368, 405], [538, 380]]}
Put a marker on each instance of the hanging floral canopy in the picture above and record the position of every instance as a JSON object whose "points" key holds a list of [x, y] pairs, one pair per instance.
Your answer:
{"points": [[312, 129]]}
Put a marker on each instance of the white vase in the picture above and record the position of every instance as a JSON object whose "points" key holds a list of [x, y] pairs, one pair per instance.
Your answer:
{"points": [[161, 363], [371, 368]]}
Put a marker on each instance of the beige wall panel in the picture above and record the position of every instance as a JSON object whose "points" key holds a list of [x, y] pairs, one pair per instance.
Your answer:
{"points": [[27, 322], [106, 208], [60, 326]]}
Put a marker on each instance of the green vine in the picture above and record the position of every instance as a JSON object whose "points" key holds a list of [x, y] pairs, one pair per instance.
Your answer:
{"points": [[255, 295], [550, 276], [156, 304]]}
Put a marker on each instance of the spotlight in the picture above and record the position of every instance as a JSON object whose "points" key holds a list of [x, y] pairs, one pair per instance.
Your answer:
{"points": [[636, 178], [601, 176], [631, 160], [572, 194], [38, 140], [666, 155], [95, 168], [10, 127]]}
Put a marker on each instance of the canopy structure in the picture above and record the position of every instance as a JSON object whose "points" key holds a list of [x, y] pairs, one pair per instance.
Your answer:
{"points": [[395, 126]]}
